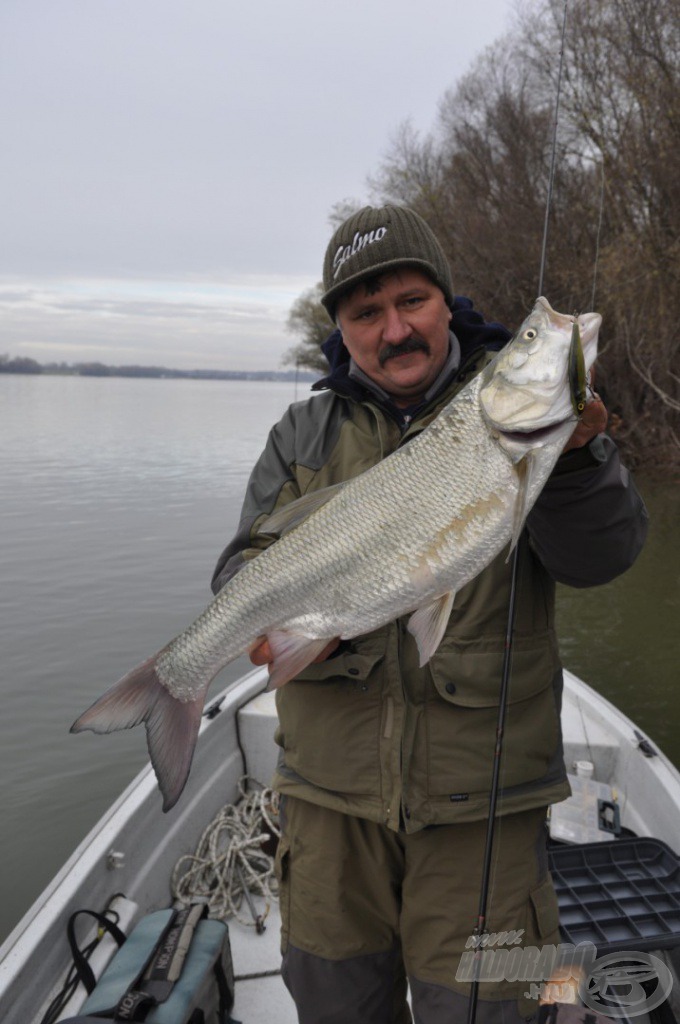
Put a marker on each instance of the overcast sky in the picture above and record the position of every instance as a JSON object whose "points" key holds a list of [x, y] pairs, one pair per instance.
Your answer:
{"points": [[169, 165]]}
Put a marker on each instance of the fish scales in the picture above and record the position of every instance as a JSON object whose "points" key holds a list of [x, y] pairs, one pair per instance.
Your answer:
{"points": [[331, 569], [396, 539]]}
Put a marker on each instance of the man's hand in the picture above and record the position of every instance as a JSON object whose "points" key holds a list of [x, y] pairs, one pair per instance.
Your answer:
{"points": [[261, 654], [593, 421]]}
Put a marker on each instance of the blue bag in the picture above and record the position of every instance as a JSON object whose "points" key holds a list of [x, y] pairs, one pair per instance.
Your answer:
{"points": [[175, 968]]}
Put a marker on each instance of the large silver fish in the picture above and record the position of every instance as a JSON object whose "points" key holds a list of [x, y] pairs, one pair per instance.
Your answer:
{"points": [[402, 537]]}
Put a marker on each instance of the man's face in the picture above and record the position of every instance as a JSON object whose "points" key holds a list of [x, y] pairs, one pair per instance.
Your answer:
{"points": [[397, 331]]}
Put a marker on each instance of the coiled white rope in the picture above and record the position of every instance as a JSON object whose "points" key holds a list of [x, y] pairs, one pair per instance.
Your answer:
{"points": [[229, 862]]}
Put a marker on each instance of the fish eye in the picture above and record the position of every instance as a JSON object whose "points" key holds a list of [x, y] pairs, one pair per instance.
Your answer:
{"points": [[529, 334]]}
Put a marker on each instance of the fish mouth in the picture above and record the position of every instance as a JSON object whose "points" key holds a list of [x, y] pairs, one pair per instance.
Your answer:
{"points": [[589, 323], [534, 436], [527, 401]]}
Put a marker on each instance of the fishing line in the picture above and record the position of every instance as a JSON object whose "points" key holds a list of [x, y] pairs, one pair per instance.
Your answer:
{"points": [[480, 928], [597, 238], [551, 176]]}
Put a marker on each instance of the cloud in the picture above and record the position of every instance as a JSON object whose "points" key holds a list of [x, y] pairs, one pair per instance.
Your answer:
{"points": [[197, 149], [178, 323]]}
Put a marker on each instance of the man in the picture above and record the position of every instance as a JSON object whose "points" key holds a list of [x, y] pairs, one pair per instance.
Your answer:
{"points": [[385, 767]]}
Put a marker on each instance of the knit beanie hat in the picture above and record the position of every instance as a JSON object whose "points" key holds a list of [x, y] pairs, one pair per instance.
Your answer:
{"points": [[378, 240]]}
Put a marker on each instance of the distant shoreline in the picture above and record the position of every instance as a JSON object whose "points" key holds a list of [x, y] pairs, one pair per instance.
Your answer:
{"points": [[31, 366]]}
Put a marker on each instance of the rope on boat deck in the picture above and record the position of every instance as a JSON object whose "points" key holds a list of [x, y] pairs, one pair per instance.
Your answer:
{"points": [[229, 863]]}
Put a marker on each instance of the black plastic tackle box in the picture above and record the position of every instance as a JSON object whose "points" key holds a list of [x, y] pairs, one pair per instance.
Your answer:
{"points": [[620, 895]]}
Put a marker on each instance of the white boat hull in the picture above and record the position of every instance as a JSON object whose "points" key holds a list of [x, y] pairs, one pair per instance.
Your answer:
{"points": [[134, 847]]}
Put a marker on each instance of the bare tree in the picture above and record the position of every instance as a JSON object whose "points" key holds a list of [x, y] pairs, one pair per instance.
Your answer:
{"points": [[480, 180], [309, 320]]}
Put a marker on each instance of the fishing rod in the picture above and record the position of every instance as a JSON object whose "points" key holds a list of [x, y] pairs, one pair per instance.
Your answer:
{"points": [[575, 369], [480, 928]]}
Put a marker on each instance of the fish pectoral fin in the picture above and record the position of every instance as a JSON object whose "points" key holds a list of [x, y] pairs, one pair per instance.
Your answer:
{"points": [[295, 512], [171, 725], [427, 625], [292, 653], [525, 473]]}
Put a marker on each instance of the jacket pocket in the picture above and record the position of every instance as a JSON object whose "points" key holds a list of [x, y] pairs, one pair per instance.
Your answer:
{"points": [[463, 710], [544, 920], [351, 666], [469, 672], [542, 929], [329, 721]]}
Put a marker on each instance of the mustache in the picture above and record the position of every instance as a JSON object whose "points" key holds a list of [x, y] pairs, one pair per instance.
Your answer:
{"points": [[410, 345]]}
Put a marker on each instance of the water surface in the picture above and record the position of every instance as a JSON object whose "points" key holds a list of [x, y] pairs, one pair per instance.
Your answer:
{"points": [[117, 497]]}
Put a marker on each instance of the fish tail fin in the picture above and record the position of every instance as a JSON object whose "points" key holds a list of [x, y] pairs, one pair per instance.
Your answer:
{"points": [[171, 725]]}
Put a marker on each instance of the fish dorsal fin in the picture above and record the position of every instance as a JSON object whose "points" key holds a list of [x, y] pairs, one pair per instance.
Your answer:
{"points": [[295, 512], [427, 625], [292, 653], [525, 469]]}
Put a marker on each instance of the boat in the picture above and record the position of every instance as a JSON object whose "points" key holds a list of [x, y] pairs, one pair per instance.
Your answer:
{"points": [[130, 855]]}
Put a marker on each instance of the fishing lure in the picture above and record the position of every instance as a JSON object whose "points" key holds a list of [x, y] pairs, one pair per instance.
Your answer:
{"points": [[576, 369]]}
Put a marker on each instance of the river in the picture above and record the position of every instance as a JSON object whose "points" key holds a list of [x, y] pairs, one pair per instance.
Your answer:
{"points": [[117, 496]]}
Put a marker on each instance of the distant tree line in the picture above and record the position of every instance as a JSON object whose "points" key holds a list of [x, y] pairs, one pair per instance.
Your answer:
{"points": [[21, 364], [480, 180]]}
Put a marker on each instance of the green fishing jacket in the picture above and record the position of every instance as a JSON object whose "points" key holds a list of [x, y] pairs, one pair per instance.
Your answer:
{"points": [[367, 731]]}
